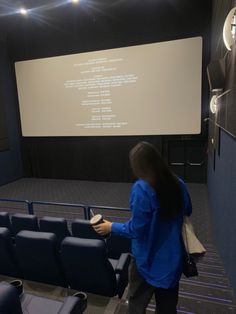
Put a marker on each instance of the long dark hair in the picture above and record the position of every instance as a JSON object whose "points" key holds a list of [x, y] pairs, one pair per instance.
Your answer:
{"points": [[146, 161]]}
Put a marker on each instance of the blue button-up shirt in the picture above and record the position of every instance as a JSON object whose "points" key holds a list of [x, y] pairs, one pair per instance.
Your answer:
{"points": [[156, 243]]}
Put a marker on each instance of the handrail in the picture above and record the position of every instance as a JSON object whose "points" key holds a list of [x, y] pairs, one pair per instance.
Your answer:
{"points": [[86, 208], [13, 200], [18, 201], [104, 207], [61, 204]]}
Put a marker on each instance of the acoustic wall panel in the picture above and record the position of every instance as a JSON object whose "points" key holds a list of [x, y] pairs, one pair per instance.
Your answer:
{"points": [[4, 142]]}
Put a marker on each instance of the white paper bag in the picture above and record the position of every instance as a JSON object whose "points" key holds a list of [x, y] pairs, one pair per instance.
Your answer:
{"points": [[191, 242]]}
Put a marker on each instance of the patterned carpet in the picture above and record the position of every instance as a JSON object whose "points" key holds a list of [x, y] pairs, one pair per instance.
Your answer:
{"points": [[209, 293]]}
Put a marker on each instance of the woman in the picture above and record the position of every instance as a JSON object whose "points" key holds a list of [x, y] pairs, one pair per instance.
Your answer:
{"points": [[158, 202]]}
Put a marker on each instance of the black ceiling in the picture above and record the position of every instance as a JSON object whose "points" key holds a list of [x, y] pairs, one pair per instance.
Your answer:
{"points": [[99, 24]]}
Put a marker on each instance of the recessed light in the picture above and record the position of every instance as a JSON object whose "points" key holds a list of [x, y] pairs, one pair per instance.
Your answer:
{"points": [[23, 11]]}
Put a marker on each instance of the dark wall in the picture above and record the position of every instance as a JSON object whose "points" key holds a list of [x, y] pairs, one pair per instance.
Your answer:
{"points": [[222, 197], [87, 158], [99, 25], [10, 155], [222, 165], [225, 116], [4, 141]]}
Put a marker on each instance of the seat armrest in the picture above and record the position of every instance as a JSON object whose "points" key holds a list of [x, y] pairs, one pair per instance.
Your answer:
{"points": [[122, 269], [72, 305], [123, 263]]}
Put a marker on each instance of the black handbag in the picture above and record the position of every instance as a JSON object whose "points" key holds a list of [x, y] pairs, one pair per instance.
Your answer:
{"points": [[189, 267]]}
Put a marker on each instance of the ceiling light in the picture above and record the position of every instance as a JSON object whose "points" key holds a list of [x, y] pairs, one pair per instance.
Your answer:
{"points": [[74, 1], [23, 11]]}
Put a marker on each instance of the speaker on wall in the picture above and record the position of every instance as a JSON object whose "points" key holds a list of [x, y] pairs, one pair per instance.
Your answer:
{"points": [[216, 75]]}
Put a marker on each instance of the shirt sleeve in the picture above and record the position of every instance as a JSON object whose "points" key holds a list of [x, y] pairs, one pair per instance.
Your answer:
{"points": [[138, 225]]}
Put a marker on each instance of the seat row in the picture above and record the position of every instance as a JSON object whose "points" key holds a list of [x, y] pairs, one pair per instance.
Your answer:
{"points": [[80, 264], [81, 228]]}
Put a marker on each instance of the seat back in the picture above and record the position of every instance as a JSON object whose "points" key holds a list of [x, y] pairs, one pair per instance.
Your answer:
{"points": [[86, 266], [5, 220], [58, 226], [8, 263], [116, 245], [82, 228], [24, 222], [38, 258], [9, 299]]}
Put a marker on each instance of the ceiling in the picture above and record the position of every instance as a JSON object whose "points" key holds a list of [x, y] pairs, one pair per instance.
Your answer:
{"points": [[53, 12], [109, 23]]}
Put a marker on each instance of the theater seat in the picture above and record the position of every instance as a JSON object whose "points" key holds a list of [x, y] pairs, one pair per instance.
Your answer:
{"points": [[82, 228], [58, 226], [24, 222], [5, 220], [37, 256], [8, 264], [116, 245], [87, 267], [11, 303]]}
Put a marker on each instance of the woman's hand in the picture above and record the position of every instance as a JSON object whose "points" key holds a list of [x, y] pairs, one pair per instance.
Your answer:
{"points": [[103, 228]]}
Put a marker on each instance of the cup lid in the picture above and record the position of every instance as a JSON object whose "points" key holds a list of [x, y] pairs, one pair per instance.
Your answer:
{"points": [[95, 219]]}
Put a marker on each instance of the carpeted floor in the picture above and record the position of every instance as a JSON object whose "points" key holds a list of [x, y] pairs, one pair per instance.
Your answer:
{"points": [[209, 293]]}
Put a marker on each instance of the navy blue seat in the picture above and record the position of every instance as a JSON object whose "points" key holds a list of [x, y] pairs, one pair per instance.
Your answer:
{"points": [[58, 226], [88, 268], [11, 303], [8, 263], [37, 256], [82, 228], [9, 299], [5, 220], [116, 245], [24, 222]]}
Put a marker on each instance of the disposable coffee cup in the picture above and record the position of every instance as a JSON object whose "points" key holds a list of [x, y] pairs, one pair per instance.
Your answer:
{"points": [[96, 220], [18, 284], [83, 299]]}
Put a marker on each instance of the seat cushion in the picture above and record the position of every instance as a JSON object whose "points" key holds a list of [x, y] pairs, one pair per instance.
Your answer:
{"points": [[38, 305]]}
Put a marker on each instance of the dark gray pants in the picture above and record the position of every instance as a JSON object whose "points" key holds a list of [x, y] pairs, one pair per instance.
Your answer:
{"points": [[140, 294]]}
